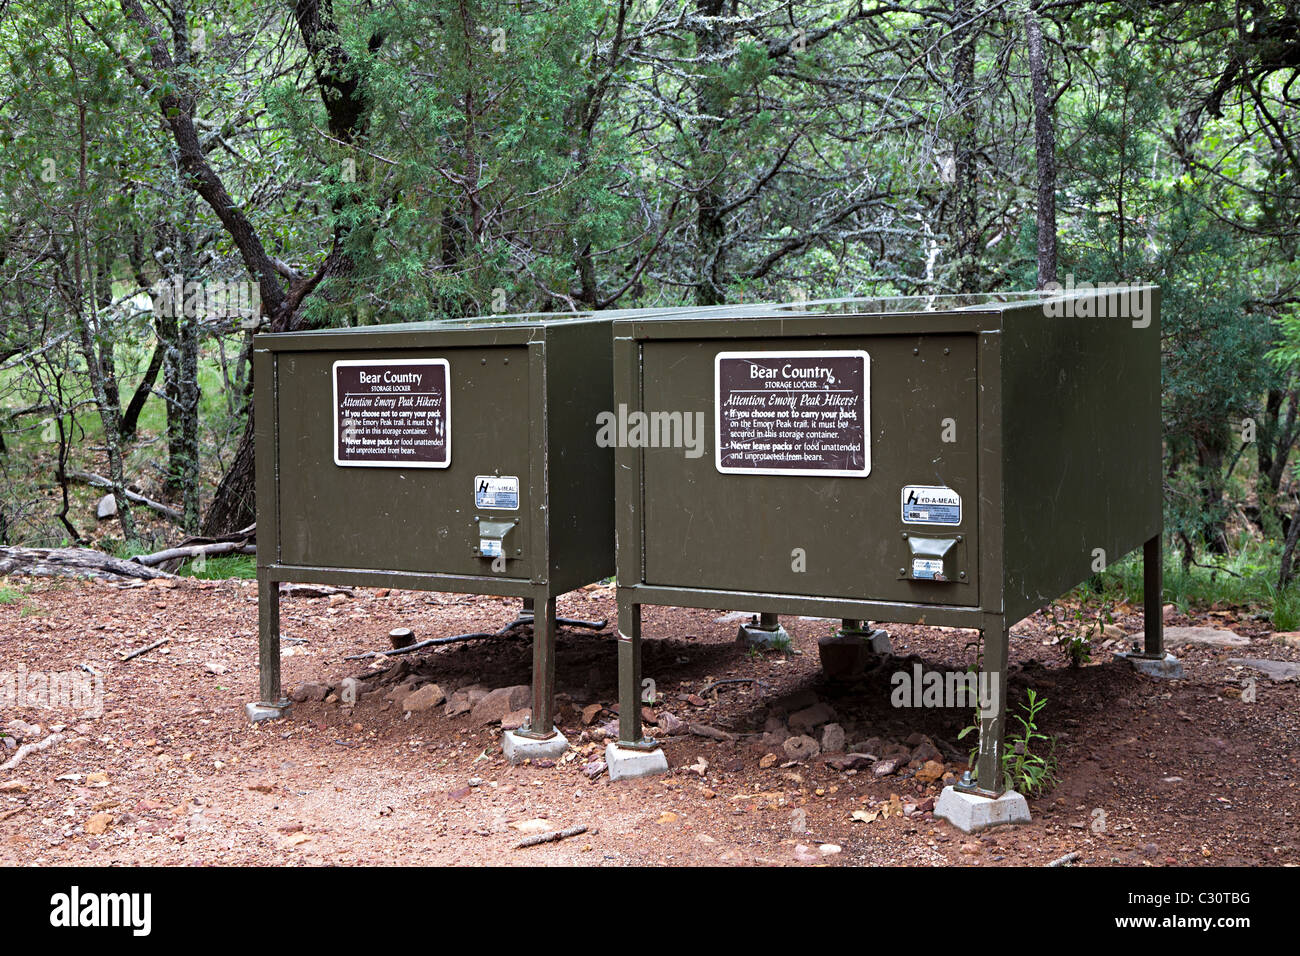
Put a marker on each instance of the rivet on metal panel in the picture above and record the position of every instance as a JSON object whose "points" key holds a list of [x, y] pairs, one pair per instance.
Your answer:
{"points": [[916, 351], [904, 535]]}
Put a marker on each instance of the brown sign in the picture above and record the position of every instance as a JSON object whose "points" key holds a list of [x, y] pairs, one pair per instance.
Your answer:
{"points": [[793, 413], [392, 414]]}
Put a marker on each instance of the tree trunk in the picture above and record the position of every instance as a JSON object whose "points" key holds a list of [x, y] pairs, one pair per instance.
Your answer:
{"points": [[131, 417], [710, 164], [1044, 150], [965, 220]]}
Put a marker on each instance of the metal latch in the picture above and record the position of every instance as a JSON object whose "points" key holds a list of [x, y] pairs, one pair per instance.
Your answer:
{"points": [[931, 558], [492, 535]]}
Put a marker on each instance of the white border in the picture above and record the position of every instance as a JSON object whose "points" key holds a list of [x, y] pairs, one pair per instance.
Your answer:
{"points": [[902, 496], [334, 387], [811, 472], [478, 478]]}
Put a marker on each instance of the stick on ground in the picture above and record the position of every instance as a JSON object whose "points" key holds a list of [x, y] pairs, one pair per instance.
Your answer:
{"points": [[553, 837], [145, 650], [26, 749]]}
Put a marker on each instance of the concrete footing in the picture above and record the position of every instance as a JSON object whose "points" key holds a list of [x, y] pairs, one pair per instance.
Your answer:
{"points": [[624, 763], [969, 812], [845, 655], [258, 711], [1168, 667], [756, 636], [519, 748]]}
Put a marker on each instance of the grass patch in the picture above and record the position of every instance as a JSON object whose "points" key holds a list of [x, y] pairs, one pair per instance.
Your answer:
{"points": [[221, 568], [10, 595]]}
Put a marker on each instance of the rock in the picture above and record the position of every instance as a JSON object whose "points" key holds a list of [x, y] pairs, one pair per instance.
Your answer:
{"points": [[215, 667], [767, 760], [401, 691], [926, 805], [849, 761], [532, 826], [833, 739], [672, 725], [516, 719], [504, 700], [872, 745], [649, 716], [590, 713], [338, 599], [1289, 639], [931, 771], [594, 769], [888, 765], [1112, 632], [310, 691], [425, 698], [916, 739], [805, 854], [107, 507], [829, 849], [99, 823], [1213, 637], [810, 718], [801, 747], [712, 733], [462, 701], [926, 751], [98, 778], [1273, 670]]}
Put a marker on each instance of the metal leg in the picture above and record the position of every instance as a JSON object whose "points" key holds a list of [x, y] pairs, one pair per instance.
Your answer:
{"points": [[268, 639], [629, 675], [527, 608], [1152, 598], [993, 721], [272, 702], [541, 722]]}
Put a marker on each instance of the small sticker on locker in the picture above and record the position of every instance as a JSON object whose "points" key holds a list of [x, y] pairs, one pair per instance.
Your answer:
{"points": [[927, 569], [499, 492], [930, 504], [489, 547]]}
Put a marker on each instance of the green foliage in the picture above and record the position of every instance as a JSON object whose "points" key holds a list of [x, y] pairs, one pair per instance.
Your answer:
{"points": [[1024, 767], [221, 567]]}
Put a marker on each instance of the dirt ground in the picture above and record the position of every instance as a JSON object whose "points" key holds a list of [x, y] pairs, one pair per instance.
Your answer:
{"points": [[1152, 773]]}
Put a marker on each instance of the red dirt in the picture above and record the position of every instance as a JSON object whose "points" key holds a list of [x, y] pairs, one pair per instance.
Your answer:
{"points": [[190, 782]]}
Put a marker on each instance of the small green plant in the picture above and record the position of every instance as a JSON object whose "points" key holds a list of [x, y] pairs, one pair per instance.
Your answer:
{"points": [[1024, 770], [9, 595], [1286, 609], [1077, 627]]}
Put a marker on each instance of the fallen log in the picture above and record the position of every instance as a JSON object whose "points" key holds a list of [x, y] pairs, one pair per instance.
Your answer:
{"points": [[99, 481], [182, 552], [72, 562]]}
